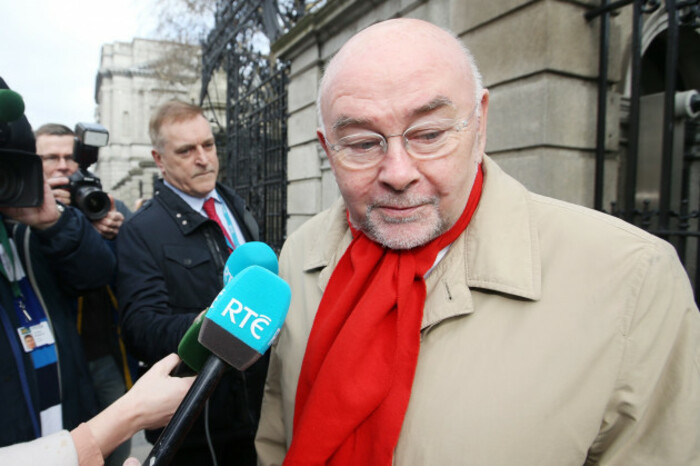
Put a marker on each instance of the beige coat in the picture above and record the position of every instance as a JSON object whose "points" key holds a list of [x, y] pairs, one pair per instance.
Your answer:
{"points": [[552, 335]]}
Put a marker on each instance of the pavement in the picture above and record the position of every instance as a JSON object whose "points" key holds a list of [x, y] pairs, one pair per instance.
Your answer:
{"points": [[140, 447]]}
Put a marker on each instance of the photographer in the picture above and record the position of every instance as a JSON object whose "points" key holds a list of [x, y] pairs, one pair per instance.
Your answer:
{"points": [[55, 145], [97, 310]]}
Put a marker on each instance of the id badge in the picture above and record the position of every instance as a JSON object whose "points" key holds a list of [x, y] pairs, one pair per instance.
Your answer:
{"points": [[34, 333]]}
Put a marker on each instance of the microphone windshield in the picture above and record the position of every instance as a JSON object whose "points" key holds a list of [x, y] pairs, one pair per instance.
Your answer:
{"points": [[246, 316], [247, 254], [11, 106]]}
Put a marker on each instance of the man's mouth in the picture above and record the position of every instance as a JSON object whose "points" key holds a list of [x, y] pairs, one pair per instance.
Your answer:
{"points": [[399, 211]]}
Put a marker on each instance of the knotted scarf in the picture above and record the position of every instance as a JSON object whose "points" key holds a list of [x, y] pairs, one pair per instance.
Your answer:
{"points": [[358, 369]]}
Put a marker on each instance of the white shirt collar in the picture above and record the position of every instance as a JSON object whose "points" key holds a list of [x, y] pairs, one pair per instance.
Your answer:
{"points": [[196, 203]]}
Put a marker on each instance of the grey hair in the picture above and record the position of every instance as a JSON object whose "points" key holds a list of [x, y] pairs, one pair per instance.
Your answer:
{"points": [[468, 58], [170, 111]]}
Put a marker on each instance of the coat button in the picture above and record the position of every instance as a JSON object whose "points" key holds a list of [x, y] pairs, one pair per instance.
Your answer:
{"points": [[184, 222], [188, 261]]}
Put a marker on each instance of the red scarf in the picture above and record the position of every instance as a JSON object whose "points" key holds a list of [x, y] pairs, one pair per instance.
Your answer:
{"points": [[358, 369]]}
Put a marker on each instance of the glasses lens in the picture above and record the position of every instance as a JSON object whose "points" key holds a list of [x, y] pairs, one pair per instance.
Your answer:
{"points": [[361, 150], [431, 139], [55, 159]]}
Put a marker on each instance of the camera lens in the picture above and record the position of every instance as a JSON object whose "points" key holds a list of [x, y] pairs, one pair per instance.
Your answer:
{"points": [[92, 201]]}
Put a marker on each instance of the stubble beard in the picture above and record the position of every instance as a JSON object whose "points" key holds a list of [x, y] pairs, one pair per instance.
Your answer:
{"points": [[405, 232]]}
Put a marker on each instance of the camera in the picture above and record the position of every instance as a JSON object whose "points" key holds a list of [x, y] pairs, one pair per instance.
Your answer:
{"points": [[21, 179], [85, 188], [21, 174]]}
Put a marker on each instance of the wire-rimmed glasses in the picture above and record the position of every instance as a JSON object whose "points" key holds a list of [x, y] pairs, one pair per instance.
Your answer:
{"points": [[425, 141]]}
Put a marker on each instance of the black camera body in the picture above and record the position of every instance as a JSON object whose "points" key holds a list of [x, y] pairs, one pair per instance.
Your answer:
{"points": [[85, 188], [21, 179], [86, 194]]}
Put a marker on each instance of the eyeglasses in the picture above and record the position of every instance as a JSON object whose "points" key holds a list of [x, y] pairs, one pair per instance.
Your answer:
{"points": [[425, 141], [55, 159]]}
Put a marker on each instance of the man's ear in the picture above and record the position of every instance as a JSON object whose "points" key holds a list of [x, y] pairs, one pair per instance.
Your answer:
{"points": [[324, 144], [157, 158], [483, 118]]}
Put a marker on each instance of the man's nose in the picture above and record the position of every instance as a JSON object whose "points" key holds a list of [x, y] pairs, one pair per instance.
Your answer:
{"points": [[200, 155], [64, 163], [398, 170]]}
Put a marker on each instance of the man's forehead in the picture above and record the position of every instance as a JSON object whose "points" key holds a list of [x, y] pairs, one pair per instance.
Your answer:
{"points": [[54, 143], [183, 130], [344, 120]]}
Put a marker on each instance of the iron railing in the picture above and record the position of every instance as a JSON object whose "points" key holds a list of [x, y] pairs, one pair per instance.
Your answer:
{"points": [[669, 209], [253, 142], [256, 152]]}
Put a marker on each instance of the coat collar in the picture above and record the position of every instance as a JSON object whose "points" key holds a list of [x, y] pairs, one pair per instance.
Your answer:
{"points": [[187, 220], [498, 252]]}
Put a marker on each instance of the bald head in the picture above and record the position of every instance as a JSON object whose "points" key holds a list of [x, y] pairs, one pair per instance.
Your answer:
{"points": [[393, 50]]}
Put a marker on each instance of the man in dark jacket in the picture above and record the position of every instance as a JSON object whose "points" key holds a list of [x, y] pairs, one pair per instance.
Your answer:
{"points": [[48, 253], [171, 257]]}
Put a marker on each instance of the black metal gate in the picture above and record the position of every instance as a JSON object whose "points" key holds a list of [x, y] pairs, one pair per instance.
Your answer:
{"points": [[253, 142], [658, 177], [256, 149]]}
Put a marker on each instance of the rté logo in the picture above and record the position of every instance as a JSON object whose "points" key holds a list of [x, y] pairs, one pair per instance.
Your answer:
{"points": [[258, 322]]}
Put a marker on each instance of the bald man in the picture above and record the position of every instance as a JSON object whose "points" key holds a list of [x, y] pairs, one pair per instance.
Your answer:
{"points": [[442, 314]]}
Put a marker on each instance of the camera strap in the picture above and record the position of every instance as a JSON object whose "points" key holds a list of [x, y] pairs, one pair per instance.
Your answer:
{"points": [[8, 265]]}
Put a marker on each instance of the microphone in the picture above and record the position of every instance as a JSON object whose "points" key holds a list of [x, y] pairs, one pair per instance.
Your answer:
{"points": [[15, 131], [190, 350], [252, 314], [247, 254], [11, 106], [239, 327]]}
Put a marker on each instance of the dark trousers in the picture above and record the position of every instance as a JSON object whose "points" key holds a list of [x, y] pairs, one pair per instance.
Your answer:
{"points": [[234, 453]]}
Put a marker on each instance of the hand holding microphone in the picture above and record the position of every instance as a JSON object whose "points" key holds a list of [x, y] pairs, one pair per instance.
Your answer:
{"points": [[239, 327]]}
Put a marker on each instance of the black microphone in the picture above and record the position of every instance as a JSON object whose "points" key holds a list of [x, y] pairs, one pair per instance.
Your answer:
{"points": [[239, 327]]}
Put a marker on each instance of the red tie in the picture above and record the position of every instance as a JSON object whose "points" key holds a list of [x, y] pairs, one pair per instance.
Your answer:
{"points": [[210, 210]]}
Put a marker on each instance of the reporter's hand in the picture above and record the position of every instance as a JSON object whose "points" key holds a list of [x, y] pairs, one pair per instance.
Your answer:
{"points": [[109, 225], [132, 462], [44, 216], [62, 195], [150, 403], [156, 395]]}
